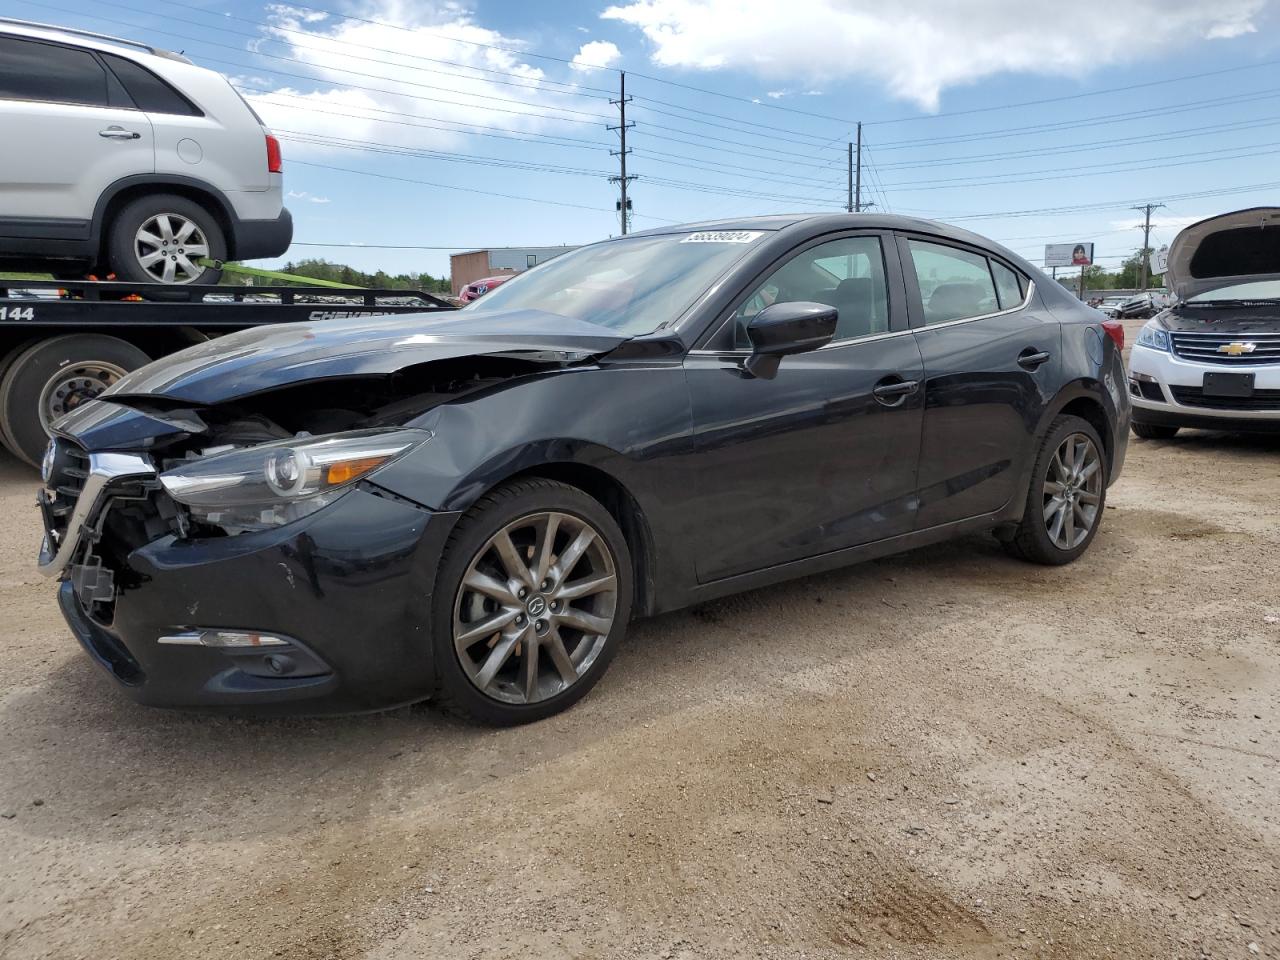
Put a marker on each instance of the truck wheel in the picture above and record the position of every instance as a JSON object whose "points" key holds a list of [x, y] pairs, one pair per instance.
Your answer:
{"points": [[161, 239], [6, 362], [53, 377]]}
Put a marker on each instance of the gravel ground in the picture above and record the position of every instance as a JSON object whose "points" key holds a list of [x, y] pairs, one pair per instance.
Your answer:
{"points": [[944, 754]]}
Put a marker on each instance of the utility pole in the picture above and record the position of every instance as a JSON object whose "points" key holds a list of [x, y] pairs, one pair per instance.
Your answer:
{"points": [[1146, 208], [622, 180], [849, 202], [857, 188]]}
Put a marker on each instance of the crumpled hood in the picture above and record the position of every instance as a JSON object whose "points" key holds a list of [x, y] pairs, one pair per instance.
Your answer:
{"points": [[1233, 248], [265, 358]]}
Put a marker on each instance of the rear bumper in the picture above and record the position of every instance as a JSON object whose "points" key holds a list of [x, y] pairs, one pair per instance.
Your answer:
{"points": [[255, 239], [351, 587]]}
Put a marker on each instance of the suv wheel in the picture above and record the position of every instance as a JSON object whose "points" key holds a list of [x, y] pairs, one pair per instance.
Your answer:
{"points": [[162, 238], [532, 599], [1067, 496]]}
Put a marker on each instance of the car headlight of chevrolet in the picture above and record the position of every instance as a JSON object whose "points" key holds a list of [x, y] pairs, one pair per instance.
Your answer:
{"points": [[256, 488], [1154, 336]]}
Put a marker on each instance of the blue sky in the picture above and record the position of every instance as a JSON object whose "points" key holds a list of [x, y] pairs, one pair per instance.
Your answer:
{"points": [[401, 121]]}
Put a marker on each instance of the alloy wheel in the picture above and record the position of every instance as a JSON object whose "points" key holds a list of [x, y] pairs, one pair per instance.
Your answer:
{"points": [[1072, 491], [169, 247], [73, 385], [535, 607]]}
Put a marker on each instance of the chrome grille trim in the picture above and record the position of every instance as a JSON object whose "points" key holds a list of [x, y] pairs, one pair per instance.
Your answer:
{"points": [[103, 470], [1203, 347]]}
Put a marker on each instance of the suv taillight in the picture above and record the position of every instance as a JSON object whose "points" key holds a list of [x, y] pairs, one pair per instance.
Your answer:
{"points": [[1115, 330], [275, 162]]}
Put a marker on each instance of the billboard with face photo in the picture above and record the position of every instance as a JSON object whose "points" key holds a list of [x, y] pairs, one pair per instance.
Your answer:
{"points": [[1068, 254]]}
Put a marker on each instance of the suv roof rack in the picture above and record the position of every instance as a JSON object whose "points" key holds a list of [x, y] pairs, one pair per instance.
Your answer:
{"points": [[155, 51]]}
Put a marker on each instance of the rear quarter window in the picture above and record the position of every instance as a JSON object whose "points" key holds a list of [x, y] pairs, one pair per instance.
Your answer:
{"points": [[49, 73], [1009, 285], [147, 91]]}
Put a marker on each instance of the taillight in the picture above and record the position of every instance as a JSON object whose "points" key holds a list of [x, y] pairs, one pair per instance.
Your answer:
{"points": [[1115, 330], [275, 162]]}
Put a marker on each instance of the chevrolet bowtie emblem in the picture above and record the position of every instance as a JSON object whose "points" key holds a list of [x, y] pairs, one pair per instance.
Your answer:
{"points": [[1237, 348]]}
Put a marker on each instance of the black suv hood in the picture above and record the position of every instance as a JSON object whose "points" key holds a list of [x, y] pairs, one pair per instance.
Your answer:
{"points": [[266, 358]]}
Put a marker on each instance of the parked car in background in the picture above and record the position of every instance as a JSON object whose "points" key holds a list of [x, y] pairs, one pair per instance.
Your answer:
{"points": [[1138, 307], [1213, 359], [352, 514], [124, 159], [474, 291], [1111, 306]]}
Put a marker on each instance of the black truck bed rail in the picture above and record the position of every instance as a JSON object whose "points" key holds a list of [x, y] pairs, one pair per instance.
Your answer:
{"points": [[99, 303]]}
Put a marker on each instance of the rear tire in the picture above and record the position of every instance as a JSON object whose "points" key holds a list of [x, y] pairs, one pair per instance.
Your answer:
{"points": [[496, 685], [52, 377], [1065, 487], [159, 238], [5, 363], [1153, 431]]}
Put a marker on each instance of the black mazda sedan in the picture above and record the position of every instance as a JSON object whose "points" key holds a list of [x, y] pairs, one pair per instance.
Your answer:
{"points": [[352, 514]]}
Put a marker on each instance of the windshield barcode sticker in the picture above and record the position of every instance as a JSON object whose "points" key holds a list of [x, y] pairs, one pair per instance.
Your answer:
{"points": [[722, 236]]}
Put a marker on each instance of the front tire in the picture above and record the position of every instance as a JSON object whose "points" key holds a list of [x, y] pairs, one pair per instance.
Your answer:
{"points": [[531, 601], [161, 238], [1067, 495], [52, 377], [1153, 431]]}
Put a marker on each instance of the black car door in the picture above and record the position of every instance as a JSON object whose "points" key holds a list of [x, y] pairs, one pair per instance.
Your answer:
{"points": [[824, 455], [991, 364]]}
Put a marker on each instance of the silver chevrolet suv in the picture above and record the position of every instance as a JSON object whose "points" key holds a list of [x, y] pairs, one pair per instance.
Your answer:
{"points": [[127, 160]]}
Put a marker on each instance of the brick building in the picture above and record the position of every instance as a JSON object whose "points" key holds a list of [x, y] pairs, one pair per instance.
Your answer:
{"points": [[465, 268]]}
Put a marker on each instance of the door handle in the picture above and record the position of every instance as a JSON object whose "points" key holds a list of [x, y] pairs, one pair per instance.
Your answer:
{"points": [[893, 392], [1030, 358], [119, 133]]}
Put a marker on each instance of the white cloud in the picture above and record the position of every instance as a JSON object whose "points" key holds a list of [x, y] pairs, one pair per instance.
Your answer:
{"points": [[395, 51], [304, 196], [920, 49], [595, 55]]}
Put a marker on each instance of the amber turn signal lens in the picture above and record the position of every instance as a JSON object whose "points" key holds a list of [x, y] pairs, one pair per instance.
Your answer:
{"points": [[344, 471]]}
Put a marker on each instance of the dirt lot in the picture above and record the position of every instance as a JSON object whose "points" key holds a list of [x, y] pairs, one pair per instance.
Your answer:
{"points": [[947, 754]]}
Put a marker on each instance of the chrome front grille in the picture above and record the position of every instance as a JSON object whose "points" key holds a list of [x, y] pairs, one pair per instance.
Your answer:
{"points": [[69, 471], [1233, 349]]}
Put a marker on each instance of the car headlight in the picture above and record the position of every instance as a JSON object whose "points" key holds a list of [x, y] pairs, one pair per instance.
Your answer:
{"points": [[1154, 336], [276, 483]]}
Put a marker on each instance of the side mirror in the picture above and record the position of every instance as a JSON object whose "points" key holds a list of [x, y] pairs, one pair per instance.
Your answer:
{"points": [[782, 329]]}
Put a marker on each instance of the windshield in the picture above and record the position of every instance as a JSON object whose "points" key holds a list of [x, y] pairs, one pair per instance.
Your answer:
{"points": [[1254, 290], [633, 285]]}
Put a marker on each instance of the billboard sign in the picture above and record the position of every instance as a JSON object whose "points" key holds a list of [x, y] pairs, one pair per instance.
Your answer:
{"points": [[1068, 254], [1160, 259]]}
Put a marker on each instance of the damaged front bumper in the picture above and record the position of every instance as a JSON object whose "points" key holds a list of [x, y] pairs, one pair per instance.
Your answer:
{"points": [[332, 611]]}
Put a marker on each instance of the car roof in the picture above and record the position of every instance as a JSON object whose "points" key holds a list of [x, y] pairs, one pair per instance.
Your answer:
{"points": [[824, 222], [83, 38]]}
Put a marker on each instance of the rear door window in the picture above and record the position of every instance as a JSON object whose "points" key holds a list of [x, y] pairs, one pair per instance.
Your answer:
{"points": [[48, 73], [148, 91], [955, 284]]}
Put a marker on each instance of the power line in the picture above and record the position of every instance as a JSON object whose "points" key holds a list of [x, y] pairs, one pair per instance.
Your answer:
{"points": [[553, 140], [844, 120], [1099, 120], [450, 186], [1084, 147], [1145, 163], [276, 28], [963, 183]]}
